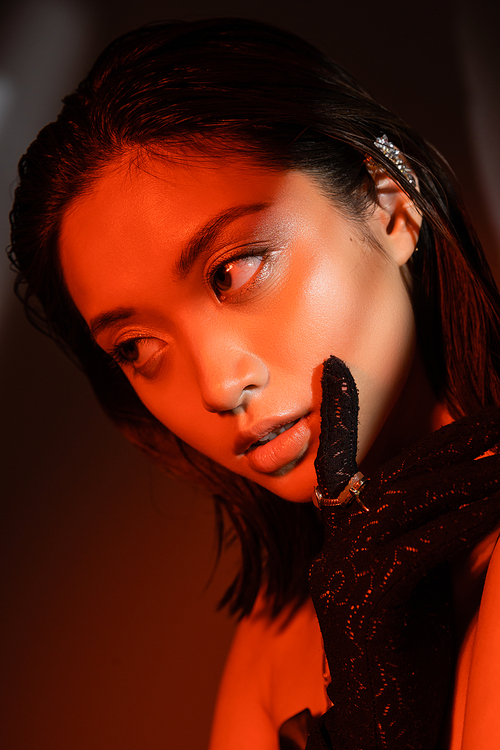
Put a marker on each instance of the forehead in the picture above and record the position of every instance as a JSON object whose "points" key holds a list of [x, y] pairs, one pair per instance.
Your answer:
{"points": [[128, 199], [135, 218]]}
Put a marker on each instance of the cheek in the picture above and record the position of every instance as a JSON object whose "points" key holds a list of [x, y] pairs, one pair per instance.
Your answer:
{"points": [[381, 370], [175, 403], [311, 314], [362, 314], [323, 317]]}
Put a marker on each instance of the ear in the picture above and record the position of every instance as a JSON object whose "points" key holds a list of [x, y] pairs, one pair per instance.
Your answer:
{"points": [[397, 221]]}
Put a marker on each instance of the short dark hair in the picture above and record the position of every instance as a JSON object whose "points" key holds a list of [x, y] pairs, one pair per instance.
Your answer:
{"points": [[224, 86]]}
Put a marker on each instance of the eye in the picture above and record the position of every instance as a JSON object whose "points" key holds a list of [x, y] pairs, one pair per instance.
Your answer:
{"points": [[231, 276], [141, 353]]}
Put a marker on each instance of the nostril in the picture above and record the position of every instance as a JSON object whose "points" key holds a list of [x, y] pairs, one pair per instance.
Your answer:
{"points": [[223, 393], [226, 397]]}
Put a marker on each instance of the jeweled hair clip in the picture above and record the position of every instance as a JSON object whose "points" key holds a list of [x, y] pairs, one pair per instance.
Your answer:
{"points": [[394, 154]]}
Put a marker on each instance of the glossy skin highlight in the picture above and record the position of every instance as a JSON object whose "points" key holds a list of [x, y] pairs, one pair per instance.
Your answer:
{"points": [[227, 344]]}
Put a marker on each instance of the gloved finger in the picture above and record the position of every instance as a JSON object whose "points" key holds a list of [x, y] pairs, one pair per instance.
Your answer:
{"points": [[336, 459]]}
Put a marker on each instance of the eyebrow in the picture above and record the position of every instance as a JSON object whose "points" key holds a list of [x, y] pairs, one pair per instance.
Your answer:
{"points": [[205, 237], [108, 319], [201, 242]]}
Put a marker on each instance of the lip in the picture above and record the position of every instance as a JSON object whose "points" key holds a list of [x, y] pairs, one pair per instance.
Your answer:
{"points": [[284, 449], [247, 438]]}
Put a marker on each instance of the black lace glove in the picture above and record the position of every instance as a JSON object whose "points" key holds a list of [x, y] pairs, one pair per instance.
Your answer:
{"points": [[381, 584]]}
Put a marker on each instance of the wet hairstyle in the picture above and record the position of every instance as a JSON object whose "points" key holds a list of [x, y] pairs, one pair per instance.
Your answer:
{"points": [[226, 86]]}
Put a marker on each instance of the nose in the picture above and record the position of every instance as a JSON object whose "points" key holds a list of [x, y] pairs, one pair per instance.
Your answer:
{"points": [[228, 379]]}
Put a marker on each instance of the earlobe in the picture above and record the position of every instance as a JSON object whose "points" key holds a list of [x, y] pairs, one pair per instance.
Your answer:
{"points": [[398, 218]]}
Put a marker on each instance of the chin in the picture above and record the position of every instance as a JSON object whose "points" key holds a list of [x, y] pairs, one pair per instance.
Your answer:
{"points": [[295, 484]]}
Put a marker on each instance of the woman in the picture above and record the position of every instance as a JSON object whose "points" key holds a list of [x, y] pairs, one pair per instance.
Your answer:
{"points": [[216, 212]]}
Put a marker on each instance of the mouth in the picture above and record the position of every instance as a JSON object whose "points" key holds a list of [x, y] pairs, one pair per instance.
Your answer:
{"points": [[272, 435], [276, 447]]}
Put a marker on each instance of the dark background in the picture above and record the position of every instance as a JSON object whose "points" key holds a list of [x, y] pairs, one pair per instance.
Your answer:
{"points": [[108, 631]]}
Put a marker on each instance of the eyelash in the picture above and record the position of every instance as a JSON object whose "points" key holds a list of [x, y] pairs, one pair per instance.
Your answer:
{"points": [[146, 370], [116, 353], [264, 253]]}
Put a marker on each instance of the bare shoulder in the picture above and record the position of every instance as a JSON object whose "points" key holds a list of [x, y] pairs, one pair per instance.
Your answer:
{"points": [[274, 671], [482, 715]]}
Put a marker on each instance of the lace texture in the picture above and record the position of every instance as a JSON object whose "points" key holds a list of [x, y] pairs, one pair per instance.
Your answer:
{"points": [[381, 585]]}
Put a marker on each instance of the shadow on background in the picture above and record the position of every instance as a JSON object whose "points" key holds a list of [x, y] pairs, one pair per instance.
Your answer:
{"points": [[110, 640]]}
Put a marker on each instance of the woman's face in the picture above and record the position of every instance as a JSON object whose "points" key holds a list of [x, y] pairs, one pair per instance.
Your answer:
{"points": [[221, 288]]}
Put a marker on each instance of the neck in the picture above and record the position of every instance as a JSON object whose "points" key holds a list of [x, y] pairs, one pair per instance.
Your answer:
{"points": [[415, 415]]}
